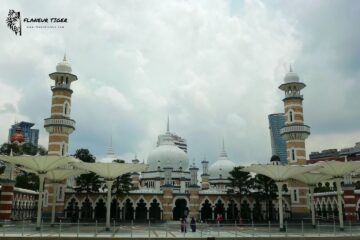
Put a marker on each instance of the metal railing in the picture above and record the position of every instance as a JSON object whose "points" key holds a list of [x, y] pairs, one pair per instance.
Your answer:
{"points": [[176, 230]]}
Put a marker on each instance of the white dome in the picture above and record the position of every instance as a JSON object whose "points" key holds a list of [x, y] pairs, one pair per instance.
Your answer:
{"points": [[291, 77], [222, 167], [168, 155], [63, 66]]}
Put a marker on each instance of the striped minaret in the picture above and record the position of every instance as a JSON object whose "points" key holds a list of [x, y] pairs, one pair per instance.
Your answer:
{"points": [[59, 126], [294, 133]]}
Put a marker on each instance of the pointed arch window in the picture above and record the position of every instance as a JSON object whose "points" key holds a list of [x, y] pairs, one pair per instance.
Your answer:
{"points": [[291, 116], [293, 154]]}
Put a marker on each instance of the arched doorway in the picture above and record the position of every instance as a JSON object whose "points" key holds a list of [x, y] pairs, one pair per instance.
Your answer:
{"points": [[219, 209], [128, 210], [232, 211], [245, 211], [86, 210], [141, 210], [206, 211], [72, 210], [100, 210], [180, 210], [114, 209], [154, 210]]}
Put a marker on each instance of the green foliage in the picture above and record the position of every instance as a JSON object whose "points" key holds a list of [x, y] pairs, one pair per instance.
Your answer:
{"points": [[240, 182], [27, 181], [122, 184], [88, 182], [265, 189]]}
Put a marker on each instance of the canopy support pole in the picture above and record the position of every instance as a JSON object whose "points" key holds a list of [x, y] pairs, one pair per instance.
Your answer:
{"points": [[281, 216], [312, 205], [109, 184], [339, 203], [55, 185], [40, 200]]}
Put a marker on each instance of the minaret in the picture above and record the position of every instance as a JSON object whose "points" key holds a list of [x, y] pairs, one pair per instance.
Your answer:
{"points": [[205, 175], [60, 125], [295, 131]]}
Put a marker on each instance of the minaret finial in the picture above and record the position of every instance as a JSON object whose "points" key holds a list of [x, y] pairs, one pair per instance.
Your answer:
{"points": [[64, 59], [291, 69], [168, 125], [223, 152], [110, 148]]}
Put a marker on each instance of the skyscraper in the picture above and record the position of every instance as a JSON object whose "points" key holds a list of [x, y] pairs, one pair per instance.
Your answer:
{"points": [[31, 135], [278, 144]]}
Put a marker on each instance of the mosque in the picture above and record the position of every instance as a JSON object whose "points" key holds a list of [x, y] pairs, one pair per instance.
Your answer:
{"points": [[170, 188]]}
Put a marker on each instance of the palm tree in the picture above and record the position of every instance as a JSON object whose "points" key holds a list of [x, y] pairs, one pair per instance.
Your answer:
{"points": [[88, 182], [240, 185]]}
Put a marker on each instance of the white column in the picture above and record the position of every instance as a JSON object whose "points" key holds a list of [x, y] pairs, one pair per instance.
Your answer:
{"points": [[281, 218], [312, 205], [55, 185], [339, 201], [39, 207], [109, 184]]}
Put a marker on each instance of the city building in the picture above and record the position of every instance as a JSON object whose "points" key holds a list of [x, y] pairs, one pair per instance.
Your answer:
{"points": [[334, 153], [30, 135], [278, 144]]}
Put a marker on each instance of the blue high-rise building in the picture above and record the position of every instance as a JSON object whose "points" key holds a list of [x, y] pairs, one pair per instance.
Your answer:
{"points": [[278, 144], [31, 135]]}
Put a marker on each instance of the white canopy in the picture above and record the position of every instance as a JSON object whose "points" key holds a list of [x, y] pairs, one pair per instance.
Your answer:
{"points": [[110, 170], [39, 164], [311, 178], [338, 169], [279, 172]]}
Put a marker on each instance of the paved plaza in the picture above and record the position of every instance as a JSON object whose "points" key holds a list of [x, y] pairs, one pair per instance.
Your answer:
{"points": [[172, 230]]}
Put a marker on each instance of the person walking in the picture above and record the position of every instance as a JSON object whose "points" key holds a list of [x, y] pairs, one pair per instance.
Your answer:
{"points": [[193, 224]]}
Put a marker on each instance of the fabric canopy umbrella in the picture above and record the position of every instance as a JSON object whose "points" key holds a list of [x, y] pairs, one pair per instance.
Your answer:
{"points": [[110, 171], [279, 173], [311, 179], [338, 170], [41, 165]]}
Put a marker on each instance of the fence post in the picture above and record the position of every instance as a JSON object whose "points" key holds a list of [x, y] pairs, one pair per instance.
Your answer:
{"points": [[60, 229], [3, 230], [166, 229], [132, 223], [149, 229], [253, 227], [319, 227], [269, 229], [41, 227], [95, 228], [78, 229], [235, 230], [218, 228], [22, 230], [201, 225], [114, 229], [302, 227], [286, 230], [350, 228], [334, 227]]}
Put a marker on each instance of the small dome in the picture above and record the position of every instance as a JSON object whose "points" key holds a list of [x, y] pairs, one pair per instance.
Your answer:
{"points": [[17, 137], [222, 167], [275, 158], [63, 66], [291, 77], [168, 155]]}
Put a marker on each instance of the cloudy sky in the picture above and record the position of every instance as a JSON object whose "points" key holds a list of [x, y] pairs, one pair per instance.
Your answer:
{"points": [[213, 66]]}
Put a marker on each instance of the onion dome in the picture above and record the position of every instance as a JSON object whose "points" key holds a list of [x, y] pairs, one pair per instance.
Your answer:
{"points": [[291, 77], [222, 167], [63, 66], [17, 137], [168, 155]]}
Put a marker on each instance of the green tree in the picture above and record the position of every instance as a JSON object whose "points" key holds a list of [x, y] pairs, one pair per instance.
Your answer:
{"points": [[266, 189], [88, 182], [122, 184], [240, 185]]}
